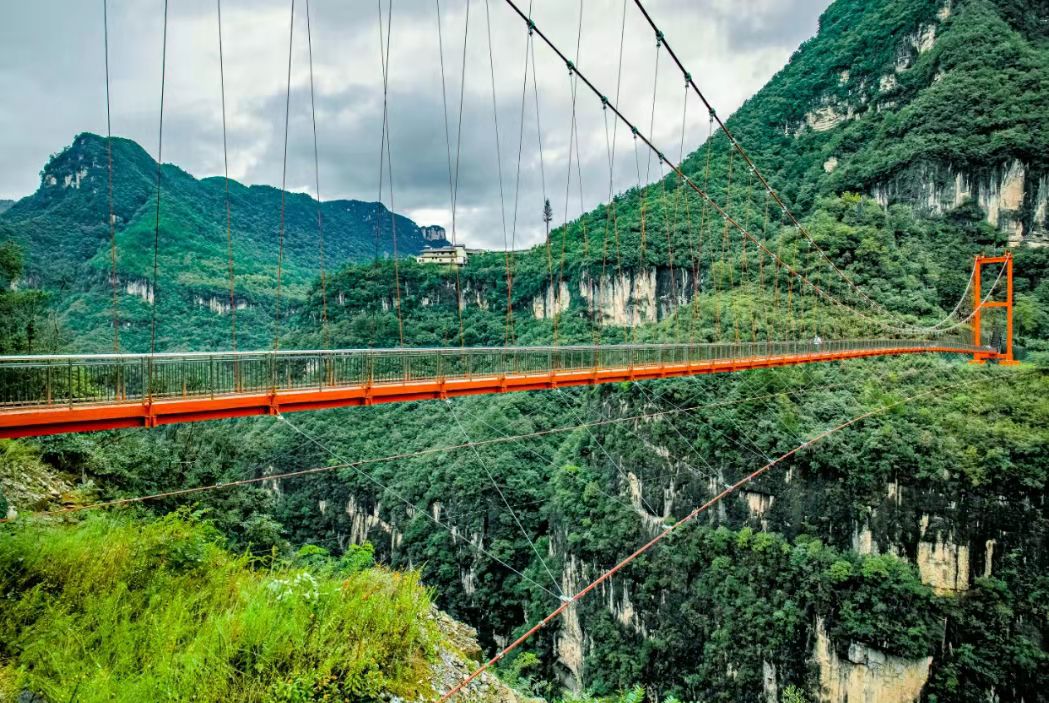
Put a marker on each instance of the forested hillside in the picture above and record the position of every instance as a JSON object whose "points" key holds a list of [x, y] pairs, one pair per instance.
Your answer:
{"points": [[62, 230], [902, 559]]}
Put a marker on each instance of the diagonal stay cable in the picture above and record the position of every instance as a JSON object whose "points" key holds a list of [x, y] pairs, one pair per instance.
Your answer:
{"points": [[428, 451], [753, 167], [609, 573], [495, 484]]}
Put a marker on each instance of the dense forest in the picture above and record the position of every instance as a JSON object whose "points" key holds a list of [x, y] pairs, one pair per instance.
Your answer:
{"points": [[905, 555]]}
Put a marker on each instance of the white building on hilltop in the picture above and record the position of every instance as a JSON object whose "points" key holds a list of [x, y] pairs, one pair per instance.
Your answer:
{"points": [[455, 255]]}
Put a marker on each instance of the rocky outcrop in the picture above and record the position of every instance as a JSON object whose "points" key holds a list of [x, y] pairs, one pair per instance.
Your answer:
{"points": [[363, 522], [28, 484], [829, 116], [433, 233], [769, 685], [866, 675], [942, 564], [458, 655], [570, 645], [626, 298], [758, 504], [553, 301], [1012, 197], [142, 289], [219, 306]]}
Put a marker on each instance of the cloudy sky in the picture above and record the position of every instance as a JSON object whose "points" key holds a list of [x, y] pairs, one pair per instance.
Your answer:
{"points": [[52, 77]]}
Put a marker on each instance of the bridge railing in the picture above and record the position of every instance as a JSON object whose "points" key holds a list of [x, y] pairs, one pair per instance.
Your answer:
{"points": [[109, 378]]}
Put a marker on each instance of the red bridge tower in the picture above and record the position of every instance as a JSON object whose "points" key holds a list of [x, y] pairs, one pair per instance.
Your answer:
{"points": [[1006, 357]]}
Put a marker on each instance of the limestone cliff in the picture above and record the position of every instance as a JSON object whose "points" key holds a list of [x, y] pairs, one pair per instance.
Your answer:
{"points": [[625, 298], [1012, 195], [866, 675]]}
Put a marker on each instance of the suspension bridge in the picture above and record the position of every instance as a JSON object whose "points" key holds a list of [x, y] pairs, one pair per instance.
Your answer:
{"points": [[86, 392], [809, 311]]}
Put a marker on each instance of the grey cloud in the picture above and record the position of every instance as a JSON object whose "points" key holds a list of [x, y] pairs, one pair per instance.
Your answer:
{"points": [[51, 58]]}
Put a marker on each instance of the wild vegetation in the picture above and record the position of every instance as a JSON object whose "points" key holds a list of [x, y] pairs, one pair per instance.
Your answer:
{"points": [[833, 536], [123, 609]]}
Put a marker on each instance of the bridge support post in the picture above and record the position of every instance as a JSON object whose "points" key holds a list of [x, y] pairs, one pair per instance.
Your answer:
{"points": [[1005, 357]]}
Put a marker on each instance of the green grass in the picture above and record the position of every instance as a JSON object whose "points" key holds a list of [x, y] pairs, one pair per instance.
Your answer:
{"points": [[119, 609]]}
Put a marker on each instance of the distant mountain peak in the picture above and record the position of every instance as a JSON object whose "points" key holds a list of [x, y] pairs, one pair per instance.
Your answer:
{"points": [[64, 230]]}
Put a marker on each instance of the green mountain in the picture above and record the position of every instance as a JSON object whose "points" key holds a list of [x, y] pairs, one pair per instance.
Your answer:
{"points": [[927, 102], [903, 559], [908, 135], [62, 229], [5, 204]]}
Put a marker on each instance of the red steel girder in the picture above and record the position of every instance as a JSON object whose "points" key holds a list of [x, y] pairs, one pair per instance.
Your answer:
{"points": [[91, 417]]}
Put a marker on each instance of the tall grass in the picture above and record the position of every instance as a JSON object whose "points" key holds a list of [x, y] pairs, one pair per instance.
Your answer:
{"points": [[118, 609]]}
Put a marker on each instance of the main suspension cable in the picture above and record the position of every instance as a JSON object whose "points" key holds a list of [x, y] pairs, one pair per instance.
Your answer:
{"points": [[792, 270], [754, 169]]}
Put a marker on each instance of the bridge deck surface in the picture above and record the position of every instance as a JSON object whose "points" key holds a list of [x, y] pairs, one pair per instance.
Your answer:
{"points": [[101, 392]]}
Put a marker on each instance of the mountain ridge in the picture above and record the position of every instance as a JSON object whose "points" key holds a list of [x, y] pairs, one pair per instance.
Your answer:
{"points": [[63, 232]]}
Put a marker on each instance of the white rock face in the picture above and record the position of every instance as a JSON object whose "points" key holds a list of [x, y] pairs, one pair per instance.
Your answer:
{"points": [[570, 645], [768, 682], [924, 39], [988, 557], [867, 675], [863, 540], [622, 299], [363, 522], [143, 289], [758, 504], [1000, 195], [622, 608], [552, 302], [219, 306], [828, 117], [942, 564]]}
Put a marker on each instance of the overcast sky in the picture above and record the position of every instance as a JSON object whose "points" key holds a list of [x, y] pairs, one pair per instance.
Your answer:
{"points": [[53, 82]]}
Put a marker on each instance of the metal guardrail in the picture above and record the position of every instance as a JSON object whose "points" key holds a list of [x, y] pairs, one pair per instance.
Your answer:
{"points": [[32, 381]]}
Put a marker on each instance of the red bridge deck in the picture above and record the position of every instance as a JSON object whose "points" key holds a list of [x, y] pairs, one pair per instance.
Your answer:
{"points": [[56, 394]]}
